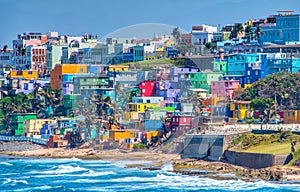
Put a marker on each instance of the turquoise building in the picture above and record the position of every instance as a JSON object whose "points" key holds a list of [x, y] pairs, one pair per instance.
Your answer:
{"points": [[288, 65]]}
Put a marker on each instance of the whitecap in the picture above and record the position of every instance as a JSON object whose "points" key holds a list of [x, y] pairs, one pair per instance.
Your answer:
{"points": [[5, 163], [95, 174], [63, 169], [167, 167], [14, 181]]}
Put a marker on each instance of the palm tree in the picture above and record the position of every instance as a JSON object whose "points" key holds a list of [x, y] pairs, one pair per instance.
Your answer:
{"points": [[237, 31], [258, 32], [176, 34]]}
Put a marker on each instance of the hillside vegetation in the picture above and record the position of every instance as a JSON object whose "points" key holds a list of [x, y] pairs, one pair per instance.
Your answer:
{"points": [[283, 88], [280, 143]]}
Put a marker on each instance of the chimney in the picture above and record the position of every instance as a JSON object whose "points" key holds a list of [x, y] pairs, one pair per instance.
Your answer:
{"points": [[221, 52]]}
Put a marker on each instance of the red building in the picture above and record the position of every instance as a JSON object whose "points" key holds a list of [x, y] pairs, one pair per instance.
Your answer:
{"points": [[148, 88], [181, 123]]}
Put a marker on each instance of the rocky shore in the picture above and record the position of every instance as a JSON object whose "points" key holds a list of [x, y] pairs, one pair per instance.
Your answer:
{"points": [[215, 170], [218, 170]]}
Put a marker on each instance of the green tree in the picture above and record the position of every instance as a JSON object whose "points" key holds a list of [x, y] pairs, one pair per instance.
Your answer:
{"points": [[176, 34], [237, 29], [258, 32]]}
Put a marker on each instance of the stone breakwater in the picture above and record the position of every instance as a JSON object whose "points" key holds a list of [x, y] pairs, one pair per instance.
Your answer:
{"points": [[18, 146], [279, 173]]}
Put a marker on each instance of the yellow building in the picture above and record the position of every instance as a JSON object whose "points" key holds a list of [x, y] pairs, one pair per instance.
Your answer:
{"points": [[117, 135], [118, 68], [241, 109], [132, 115], [151, 134], [24, 74], [140, 107], [74, 68], [291, 116], [247, 86], [33, 126]]}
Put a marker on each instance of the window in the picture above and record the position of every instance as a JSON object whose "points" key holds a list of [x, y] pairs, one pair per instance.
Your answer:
{"points": [[184, 119], [29, 72], [81, 70]]}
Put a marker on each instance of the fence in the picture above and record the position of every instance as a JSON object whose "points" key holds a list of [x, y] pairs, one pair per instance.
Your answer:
{"points": [[23, 138]]}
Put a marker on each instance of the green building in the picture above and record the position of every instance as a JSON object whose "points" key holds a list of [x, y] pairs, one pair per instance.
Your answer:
{"points": [[70, 102], [18, 121], [92, 85], [220, 66], [203, 79]]}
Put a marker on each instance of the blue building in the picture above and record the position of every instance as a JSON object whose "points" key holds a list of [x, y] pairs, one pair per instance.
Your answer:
{"points": [[252, 67], [236, 65], [286, 28], [171, 52], [279, 65], [134, 54]]}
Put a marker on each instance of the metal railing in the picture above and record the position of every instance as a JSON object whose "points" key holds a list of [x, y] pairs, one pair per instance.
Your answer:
{"points": [[23, 138]]}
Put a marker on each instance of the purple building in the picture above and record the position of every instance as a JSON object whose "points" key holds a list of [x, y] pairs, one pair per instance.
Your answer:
{"points": [[28, 86]]}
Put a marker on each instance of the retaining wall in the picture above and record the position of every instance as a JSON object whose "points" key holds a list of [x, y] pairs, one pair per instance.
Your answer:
{"points": [[255, 160]]}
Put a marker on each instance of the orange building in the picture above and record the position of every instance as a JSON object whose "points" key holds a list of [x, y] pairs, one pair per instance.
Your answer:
{"points": [[291, 116], [61, 69], [24, 74]]}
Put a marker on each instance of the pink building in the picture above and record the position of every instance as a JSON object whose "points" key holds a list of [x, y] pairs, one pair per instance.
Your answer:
{"points": [[224, 88], [36, 58]]}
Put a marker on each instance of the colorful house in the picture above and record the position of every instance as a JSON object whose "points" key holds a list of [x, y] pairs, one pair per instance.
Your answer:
{"points": [[140, 107], [224, 88], [147, 99], [148, 88], [241, 109], [33, 126], [203, 79], [117, 135], [236, 65], [181, 123], [24, 74], [70, 102], [252, 67], [86, 85], [291, 116], [134, 54], [18, 120], [61, 69], [220, 66], [118, 68], [175, 72]]}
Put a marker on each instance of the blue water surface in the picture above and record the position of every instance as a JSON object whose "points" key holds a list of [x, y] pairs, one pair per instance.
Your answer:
{"points": [[27, 174]]}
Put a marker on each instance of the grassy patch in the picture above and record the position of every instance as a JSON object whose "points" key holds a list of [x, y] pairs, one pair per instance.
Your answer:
{"points": [[150, 62], [275, 148]]}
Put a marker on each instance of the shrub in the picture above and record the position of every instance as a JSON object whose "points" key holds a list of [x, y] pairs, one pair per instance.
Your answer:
{"points": [[139, 146]]}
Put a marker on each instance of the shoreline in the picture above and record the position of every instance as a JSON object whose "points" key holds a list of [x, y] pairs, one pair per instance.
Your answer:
{"points": [[215, 170]]}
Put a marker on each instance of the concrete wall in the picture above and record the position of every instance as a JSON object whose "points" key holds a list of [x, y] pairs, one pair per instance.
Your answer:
{"points": [[202, 146], [207, 146], [255, 160]]}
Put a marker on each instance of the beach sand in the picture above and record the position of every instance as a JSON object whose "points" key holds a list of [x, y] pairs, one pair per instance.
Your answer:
{"points": [[114, 154]]}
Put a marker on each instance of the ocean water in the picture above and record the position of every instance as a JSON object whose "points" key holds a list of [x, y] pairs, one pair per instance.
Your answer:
{"points": [[25, 174]]}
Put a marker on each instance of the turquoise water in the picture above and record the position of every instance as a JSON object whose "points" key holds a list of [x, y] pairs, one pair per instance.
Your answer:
{"points": [[96, 175]]}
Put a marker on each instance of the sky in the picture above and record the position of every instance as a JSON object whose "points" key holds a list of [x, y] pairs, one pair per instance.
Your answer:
{"points": [[102, 17]]}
